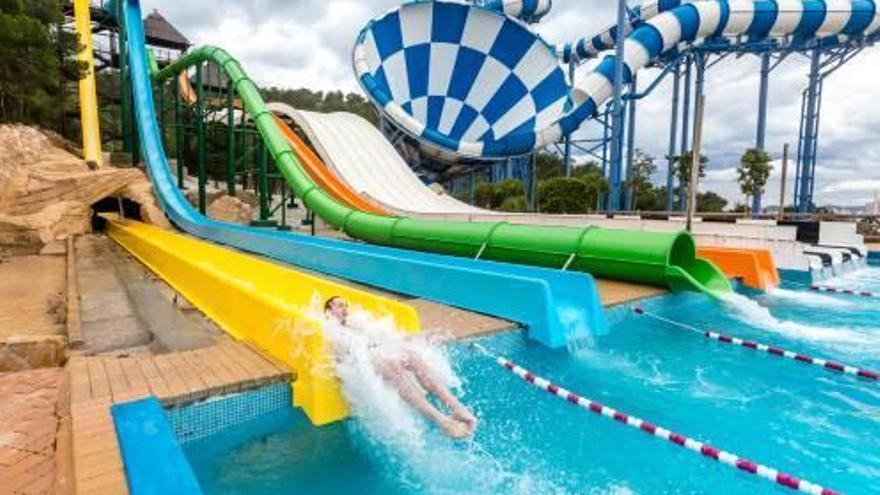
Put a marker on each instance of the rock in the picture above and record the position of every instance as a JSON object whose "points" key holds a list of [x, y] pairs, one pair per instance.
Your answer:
{"points": [[231, 209], [46, 192]]}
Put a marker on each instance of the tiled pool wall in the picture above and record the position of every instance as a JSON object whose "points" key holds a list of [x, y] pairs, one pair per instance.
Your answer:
{"points": [[205, 419]]}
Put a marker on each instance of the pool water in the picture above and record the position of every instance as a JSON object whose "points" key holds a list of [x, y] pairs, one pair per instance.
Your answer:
{"points": [[796, 418]]}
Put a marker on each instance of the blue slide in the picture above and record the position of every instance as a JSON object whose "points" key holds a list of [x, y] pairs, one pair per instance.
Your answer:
{"points": [[553, 305]]}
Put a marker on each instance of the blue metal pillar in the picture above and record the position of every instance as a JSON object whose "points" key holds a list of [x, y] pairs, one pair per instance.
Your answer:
{"points": [[699, 89], [617, 111], [685, 126], [673, 138], [629, 204], [567, 158], [762, 122], [605, 138], [806, 168]]}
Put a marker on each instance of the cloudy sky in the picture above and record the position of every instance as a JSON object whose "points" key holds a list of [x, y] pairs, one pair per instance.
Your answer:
{"points": [[307, 43]]}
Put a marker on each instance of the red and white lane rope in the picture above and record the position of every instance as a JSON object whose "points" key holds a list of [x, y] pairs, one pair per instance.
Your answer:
{"points": [[838, 290], [769, 349], [698, 447]]}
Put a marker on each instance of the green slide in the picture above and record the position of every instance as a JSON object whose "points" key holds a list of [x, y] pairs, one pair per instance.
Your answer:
{"points": [[654, 258]]}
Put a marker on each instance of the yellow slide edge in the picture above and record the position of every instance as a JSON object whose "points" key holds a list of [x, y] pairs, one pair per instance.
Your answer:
{"points": [[262, 303]]}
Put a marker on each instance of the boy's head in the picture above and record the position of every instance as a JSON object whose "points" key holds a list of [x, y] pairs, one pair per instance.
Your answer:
{"points": [[337, 308]]}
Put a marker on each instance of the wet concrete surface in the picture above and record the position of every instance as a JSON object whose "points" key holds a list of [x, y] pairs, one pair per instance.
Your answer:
{"points": [[126, 309]]}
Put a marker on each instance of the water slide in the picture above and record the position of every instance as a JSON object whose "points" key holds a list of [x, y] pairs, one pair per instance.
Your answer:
{"points": [[755, 267], [381, 174], [663, 259], [473, 99], [552, 304], [268, 305], [358, 153], [88, 94]]}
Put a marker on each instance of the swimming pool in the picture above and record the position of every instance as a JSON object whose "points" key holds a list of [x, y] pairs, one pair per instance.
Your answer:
{"points": [[799, 419]]}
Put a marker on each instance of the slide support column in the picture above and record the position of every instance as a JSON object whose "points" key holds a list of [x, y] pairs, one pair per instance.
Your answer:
{"points": [[685, 125], [200, 138], [230, 138], [673, 137], [760, 138], [630, 143], [617, 111]]}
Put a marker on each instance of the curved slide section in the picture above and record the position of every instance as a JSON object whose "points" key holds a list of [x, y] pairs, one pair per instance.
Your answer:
{"points": [[363, 158], [550, 303], [259, 302], [655, 258], [88, 93], [755, 267], [322, 176]]}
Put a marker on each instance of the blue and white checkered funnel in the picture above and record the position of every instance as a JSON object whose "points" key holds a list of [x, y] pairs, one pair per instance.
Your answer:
{"points": [[475, 84], [526, 10], [463, 78]]}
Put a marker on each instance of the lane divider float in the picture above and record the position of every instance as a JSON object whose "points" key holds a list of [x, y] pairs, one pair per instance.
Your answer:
{"points": [[837, 290], [769, 349], [704, 449]]}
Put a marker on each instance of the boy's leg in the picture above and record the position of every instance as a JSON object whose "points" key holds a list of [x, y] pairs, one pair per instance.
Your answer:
{"points": [[429, 381], [393, 371]]}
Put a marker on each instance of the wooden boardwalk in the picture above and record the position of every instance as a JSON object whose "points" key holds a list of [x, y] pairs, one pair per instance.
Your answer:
{"points": [[97, 382]]}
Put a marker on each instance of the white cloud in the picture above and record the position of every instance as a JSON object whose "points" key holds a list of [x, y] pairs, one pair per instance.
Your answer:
{"points": [[307, 43]]}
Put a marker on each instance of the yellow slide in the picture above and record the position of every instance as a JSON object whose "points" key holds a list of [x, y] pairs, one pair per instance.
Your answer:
{"points": [[262, 303], [88, 94]]}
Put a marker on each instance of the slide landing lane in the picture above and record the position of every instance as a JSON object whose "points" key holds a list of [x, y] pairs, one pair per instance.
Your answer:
{"points": [[265, 304]]}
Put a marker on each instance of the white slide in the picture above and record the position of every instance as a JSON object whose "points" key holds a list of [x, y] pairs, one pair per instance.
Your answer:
{"points": [[361, 156]]}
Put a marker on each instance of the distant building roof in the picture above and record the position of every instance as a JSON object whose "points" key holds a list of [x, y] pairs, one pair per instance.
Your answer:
{"points": [[159, 32]]}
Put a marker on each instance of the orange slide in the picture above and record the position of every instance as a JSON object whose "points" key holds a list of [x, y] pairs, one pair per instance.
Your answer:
{"points": [[755, 267], [324, 177]]}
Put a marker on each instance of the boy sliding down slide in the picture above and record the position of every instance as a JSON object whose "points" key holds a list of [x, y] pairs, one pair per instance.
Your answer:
{"points": [[398, 366]]}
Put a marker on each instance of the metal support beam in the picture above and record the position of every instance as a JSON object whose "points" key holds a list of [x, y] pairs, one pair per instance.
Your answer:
{"points": [[807, 142], [629, 204], [617, 116], [760, 138], [673, 138], [179, 134], [567, 154], [685, 124], [230, 138], [200, 138]]}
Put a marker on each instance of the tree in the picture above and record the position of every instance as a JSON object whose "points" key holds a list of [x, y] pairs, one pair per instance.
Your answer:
{"points": [[562, 195], [549, 165], [684, 164], [710, 202], [639, 179], [494, 196], [753, 171], [37, 60]]}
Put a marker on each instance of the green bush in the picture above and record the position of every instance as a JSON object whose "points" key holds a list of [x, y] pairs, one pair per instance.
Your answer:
{"points": [[561, 195], [514, 204]]}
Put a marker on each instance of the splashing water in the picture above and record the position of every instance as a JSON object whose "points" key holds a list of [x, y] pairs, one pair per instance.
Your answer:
{"points": [[805, 298], [387, 427], [752, 313]]}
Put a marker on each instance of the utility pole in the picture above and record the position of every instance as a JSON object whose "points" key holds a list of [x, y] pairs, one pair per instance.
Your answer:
{"points": [[695, 162], [780, 215]]}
